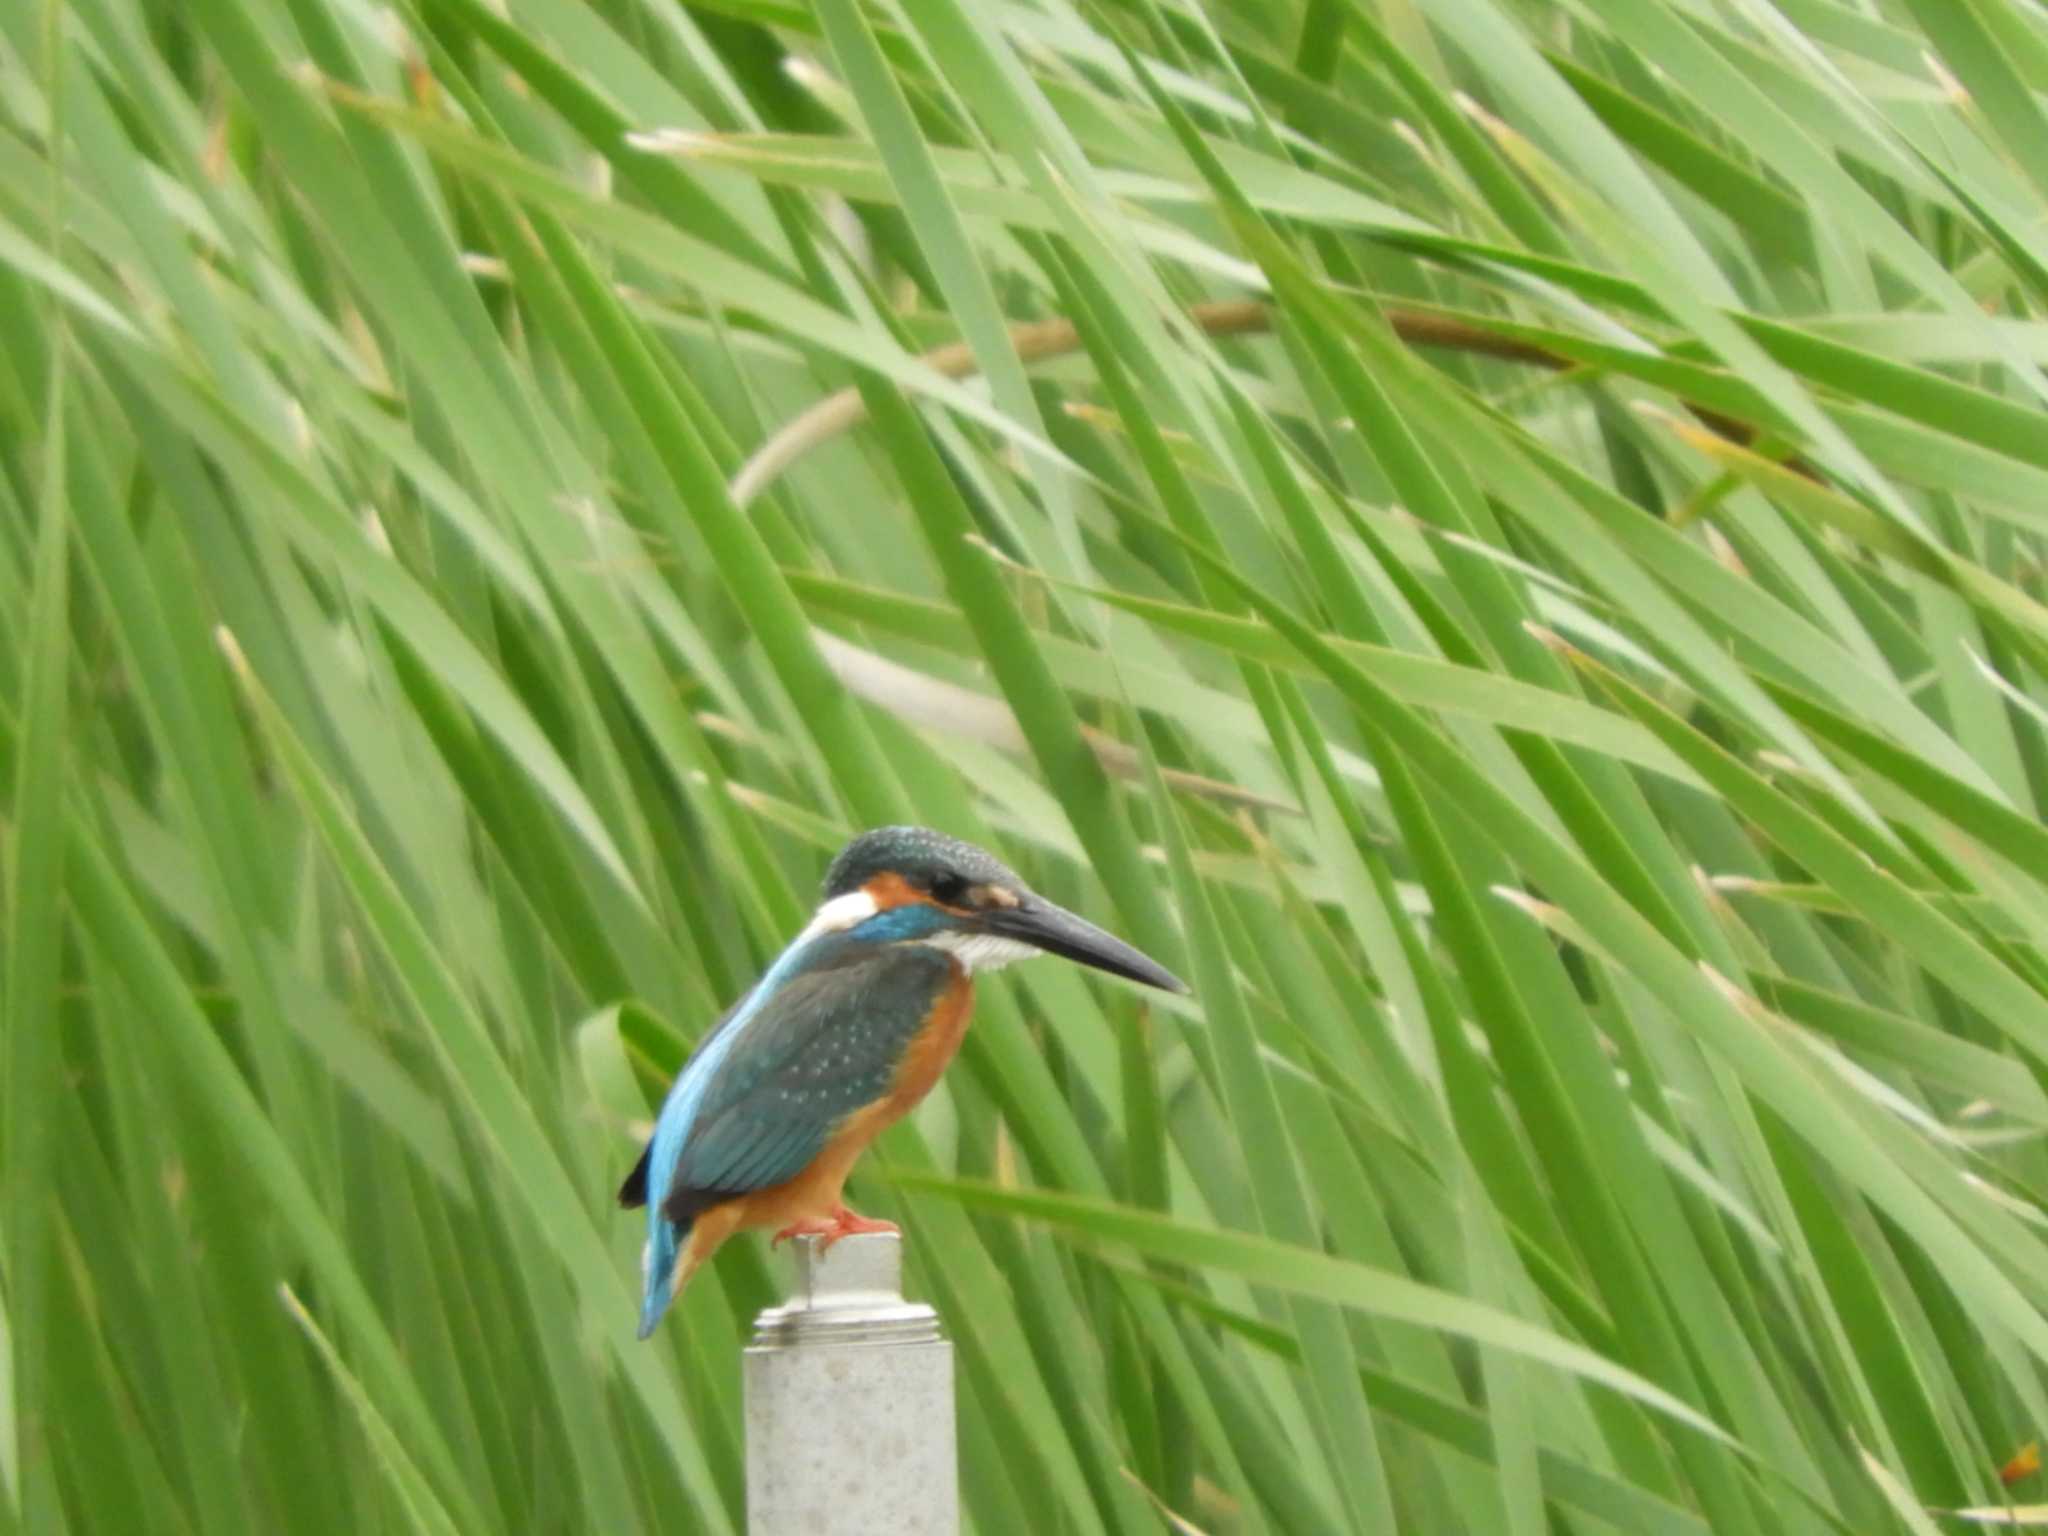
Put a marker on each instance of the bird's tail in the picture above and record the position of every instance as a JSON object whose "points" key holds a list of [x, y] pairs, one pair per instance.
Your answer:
{"points": [[658, 1268]]}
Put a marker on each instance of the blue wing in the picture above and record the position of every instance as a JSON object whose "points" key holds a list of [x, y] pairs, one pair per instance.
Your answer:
{"points": [[759, 1098]]}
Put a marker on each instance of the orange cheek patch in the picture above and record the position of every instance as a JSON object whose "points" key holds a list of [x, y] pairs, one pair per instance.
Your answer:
{"points": [[890, 889]]}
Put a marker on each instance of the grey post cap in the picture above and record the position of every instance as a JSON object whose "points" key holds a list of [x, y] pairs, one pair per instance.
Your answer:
{"points": [[851, 1293], [850, 1402]]}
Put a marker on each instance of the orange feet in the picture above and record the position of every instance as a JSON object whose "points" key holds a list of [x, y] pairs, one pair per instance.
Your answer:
{"points": [[840, 1223], [846, 1223], [816, 1226]]}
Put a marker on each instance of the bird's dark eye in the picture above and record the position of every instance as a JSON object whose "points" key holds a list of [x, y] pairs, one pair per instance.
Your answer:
{"points": [[949, 890]]}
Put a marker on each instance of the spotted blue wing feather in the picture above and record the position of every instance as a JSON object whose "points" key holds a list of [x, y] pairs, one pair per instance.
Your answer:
{"points": [[818, 1038], [829, 1046], [633, 1192]]}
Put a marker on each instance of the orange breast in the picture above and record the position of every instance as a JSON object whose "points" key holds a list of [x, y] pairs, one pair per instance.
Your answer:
{"points": [[932, 1047], [931, 1050]]}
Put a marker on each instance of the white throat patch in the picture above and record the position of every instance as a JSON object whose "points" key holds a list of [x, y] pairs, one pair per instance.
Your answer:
{"points": [[838, 915], [980, 951]]}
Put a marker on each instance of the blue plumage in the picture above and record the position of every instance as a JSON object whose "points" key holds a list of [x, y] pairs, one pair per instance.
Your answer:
{"points": [[818, 1038], [758, 1128]]}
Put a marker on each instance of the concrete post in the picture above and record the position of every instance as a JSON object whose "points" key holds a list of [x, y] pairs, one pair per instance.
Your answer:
{"points": [[850, 1402]]}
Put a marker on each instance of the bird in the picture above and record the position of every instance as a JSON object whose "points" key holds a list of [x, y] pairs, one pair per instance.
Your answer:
{"points": [[844, 1033]]}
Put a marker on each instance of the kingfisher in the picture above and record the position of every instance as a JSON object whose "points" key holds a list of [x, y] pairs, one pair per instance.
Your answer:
{"points": [[841, 1037]]}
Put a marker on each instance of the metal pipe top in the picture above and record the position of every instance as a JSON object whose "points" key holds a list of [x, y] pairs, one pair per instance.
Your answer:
{"points": [[849, 1293]]}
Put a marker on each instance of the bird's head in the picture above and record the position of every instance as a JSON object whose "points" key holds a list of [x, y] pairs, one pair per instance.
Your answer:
{"points": [[898, 885]]}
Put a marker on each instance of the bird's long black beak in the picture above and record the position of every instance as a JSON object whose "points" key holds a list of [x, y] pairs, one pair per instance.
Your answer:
{"points": [[1037, 922]]}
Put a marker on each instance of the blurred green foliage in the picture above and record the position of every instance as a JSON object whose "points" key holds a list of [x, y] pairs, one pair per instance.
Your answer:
{"points": [[1501, 538]]}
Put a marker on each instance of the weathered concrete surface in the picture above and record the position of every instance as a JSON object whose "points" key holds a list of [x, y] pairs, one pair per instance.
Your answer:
{"points": [[850, 1402]]}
